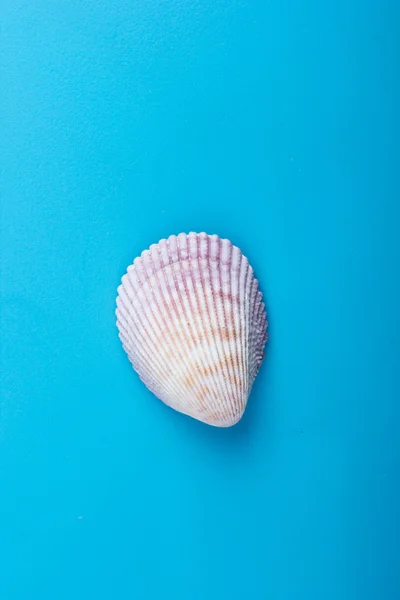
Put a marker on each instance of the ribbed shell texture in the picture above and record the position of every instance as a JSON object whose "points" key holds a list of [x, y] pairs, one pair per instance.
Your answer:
{"points": [[193, 324]]}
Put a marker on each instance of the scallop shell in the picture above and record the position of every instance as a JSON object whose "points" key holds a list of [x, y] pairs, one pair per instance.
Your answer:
{"points": [[193, 324]]}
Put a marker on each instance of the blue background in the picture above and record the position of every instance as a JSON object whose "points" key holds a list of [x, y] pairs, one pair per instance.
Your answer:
{"points": [[274, 124]]}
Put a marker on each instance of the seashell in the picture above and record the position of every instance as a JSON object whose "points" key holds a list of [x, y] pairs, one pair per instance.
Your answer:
{"points": [[193, 324]]}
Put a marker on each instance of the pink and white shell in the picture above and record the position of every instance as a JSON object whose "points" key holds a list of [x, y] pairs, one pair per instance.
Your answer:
{"points": [[193, 324]]}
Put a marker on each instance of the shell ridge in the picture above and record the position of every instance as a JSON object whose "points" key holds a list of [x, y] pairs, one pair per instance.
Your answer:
{"points": [[226, 287], [213, 347], [199, 326], [253, 316], [162, 341], [213, 308], [179, 331], [242, 299], [221, 317], [242, 317], [209, 344], [260, 333], [176, 332], [189, 318], [146, 342], [214, 255], [261, 321], [235, 324], [137, 358], [248, 325], [237, 319], [200, 329], [251, 333], [156, 275], [152, 385], [123, 318], [186, 318]]}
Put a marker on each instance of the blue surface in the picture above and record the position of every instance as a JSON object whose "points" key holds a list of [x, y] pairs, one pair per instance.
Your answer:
{"points": [[274, 124]]}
